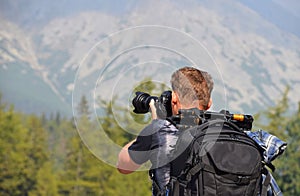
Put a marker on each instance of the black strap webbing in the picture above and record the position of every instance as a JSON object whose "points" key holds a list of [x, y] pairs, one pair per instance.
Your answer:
{"points": [[239, 179], [266, 183], [156, 188]]}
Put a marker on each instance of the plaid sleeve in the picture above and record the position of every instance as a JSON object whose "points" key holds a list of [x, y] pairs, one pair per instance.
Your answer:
{"points": [[272, 145]]}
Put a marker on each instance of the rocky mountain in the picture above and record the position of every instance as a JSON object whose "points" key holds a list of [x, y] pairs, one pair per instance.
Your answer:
{"points": [[53, 50]]}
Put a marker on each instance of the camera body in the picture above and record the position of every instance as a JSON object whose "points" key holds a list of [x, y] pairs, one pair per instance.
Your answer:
{"points": [[163, 103]]}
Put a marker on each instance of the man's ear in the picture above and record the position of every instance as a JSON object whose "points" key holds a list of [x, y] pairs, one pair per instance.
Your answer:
{"points": [[175, 102], [174, 97], [209, 104]]}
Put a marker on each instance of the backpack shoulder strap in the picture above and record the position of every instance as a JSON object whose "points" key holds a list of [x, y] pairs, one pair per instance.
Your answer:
{"points": [[156, 189], [266, 182]]}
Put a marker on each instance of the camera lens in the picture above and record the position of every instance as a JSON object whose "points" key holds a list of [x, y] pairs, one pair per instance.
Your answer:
{"points": [[141, 102]]}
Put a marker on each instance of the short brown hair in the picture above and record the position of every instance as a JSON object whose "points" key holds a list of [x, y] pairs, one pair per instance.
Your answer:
{"points": [[192, 84]]}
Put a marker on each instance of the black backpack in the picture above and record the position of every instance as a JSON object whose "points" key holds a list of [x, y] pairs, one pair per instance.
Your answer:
{"points": [[213, 156]]}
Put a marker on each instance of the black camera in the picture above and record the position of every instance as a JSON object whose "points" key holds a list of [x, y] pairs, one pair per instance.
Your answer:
{"points": [[163, 103]]}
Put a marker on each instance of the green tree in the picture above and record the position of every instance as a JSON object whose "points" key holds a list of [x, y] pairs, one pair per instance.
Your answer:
{"points": [[23, 153], [286, 126], [79, 176], [58, 137], [137, 183], [15, 173], [288, 165], [83, 107], [46, 182], [110, 126]]}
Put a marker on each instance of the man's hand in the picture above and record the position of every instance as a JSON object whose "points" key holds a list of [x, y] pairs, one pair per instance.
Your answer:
{"points": [[153, 109], [157, 109]]}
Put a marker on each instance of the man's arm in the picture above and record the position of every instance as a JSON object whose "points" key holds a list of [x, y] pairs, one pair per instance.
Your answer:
{"points": [[125, 164]]}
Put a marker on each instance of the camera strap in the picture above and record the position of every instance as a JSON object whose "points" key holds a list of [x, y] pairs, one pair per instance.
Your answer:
{"points": [[187, 118]]}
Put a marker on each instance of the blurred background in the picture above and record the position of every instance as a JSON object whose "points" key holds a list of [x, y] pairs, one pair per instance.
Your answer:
{"points": [[44, 57]]}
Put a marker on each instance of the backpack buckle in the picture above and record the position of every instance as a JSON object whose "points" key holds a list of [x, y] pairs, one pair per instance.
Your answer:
{"points": [[182, 182], [243, 180]]}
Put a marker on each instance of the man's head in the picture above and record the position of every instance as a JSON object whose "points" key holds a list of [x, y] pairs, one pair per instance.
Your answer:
{"points": [[191, 89]]}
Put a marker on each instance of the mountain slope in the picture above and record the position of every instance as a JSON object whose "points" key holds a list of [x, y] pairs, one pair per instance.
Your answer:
{"points": [[24, 81], [256, 60]]}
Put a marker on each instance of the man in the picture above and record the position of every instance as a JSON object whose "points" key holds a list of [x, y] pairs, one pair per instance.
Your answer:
{"points": [[191, 88]]}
